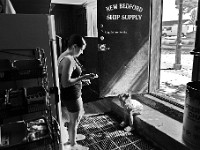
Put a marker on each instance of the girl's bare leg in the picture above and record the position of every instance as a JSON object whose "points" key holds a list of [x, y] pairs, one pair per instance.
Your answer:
{"points": [[124, 122], [130, 118]]}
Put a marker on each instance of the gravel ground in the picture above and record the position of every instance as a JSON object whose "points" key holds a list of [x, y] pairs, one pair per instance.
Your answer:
{"points": [[173, 82]]}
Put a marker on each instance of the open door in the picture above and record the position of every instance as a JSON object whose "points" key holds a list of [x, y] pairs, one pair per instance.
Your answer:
{"points": [[90, 64], [123, 46]]}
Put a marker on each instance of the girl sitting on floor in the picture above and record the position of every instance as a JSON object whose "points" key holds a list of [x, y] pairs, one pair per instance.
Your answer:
{"points": [[131, 107]]}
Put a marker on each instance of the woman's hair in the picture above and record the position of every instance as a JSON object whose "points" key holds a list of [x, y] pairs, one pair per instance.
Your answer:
{"points": [[74, 39]]}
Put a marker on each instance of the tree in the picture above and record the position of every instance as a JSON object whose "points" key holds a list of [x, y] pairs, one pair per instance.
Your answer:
{"points": [[193, 15], [188, 5]]}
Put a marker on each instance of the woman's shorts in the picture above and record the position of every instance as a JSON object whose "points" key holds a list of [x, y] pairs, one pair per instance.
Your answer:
{"points": [[73, 105]]}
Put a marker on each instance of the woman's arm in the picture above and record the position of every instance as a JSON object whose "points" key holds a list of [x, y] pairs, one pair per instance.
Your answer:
{"points": [[67, 69]]}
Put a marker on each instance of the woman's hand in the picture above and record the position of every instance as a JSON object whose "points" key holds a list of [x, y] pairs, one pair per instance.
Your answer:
{"points": [[90, 76]]}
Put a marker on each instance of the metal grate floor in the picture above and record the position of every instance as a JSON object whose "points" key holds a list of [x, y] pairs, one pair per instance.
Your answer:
{"points": [[103, 132]]}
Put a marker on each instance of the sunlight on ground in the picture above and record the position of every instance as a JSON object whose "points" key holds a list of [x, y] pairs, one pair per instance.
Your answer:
{"points": [[173, 82]]}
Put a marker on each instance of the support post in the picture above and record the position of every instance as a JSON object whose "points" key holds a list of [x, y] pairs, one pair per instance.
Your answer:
{"points": [[177, 64]]}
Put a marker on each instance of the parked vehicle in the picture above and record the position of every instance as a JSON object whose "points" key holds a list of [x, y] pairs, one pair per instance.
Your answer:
{"points": [[172, 30]]}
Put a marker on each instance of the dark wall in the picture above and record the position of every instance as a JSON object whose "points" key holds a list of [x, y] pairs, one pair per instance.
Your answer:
{"points": [[31, 6], [69, 19]]}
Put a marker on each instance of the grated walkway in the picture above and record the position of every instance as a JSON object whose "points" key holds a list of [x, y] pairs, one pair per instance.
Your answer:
{"points": [[103, 132]]}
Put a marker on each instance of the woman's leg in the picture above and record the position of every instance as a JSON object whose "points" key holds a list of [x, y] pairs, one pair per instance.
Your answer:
{"points": [[65, 116], [72, 127], [75, 118], [81, 112]]}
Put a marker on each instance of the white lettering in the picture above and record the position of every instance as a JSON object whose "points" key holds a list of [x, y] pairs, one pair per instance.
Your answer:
{"points": [[139, 17], [112, 17], [114, 6], [121, 5], [131, 17], [111, 7], [130, 6]]}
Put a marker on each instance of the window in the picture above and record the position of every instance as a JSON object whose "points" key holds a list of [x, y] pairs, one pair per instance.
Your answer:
{"points": [[168, 28], [176, 61], [91, 9]]}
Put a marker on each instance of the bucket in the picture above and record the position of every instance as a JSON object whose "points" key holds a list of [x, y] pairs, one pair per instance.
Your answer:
{"points": [[191, 117]]}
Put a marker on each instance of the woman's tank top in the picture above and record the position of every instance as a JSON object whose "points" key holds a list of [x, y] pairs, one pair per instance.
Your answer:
{"points": [[72, 92]]}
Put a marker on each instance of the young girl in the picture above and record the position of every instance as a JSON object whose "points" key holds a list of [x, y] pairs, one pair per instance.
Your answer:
{"points": [[131, 107]]}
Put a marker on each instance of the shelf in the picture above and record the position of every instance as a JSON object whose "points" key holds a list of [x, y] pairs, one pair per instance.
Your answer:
{"points": [[15, 102], [31, 134], [21, 103], [21, 69], [18, 111], [13, 75], [42, 144]]}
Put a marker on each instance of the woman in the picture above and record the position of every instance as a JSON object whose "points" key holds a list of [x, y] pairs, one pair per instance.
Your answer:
{"points": [[71, 85]]}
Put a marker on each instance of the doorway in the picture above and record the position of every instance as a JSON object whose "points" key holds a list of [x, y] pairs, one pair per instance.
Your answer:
{"points": [[124, 43]]}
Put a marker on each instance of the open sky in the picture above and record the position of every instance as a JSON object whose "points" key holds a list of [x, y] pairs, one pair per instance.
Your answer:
{"points": [[170, 12]]}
